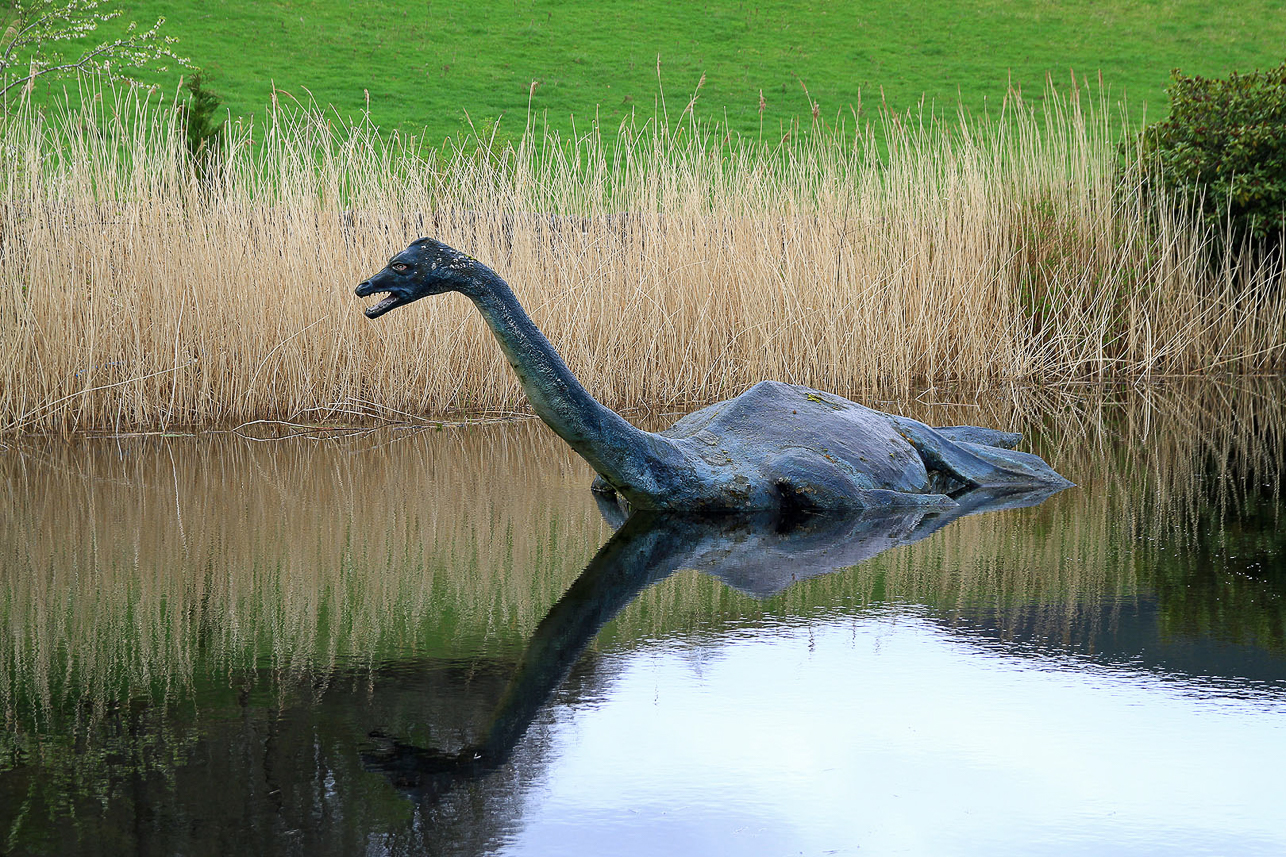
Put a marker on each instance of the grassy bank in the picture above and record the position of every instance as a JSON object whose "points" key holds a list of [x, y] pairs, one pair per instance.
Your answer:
{"points": [[422, 66], [669, 264]]}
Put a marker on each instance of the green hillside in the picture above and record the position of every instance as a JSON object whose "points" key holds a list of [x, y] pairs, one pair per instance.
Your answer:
{"points": [[425, 64]]}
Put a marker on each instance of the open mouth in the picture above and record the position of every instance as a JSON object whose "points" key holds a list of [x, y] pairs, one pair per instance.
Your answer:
{"points": [[391, 299]]}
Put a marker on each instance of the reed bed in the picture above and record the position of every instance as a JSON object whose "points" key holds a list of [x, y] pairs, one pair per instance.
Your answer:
{"points": [[670, 264]]}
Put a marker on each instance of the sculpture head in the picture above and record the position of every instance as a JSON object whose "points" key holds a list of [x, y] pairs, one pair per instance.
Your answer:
{"points": [[427, 267]]}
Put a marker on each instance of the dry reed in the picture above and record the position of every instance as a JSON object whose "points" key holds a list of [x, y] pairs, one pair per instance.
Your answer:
{"points": [[670, 265]]}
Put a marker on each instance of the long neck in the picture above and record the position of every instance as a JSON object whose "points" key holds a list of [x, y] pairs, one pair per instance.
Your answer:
{"points": [[624, 455], [647, 549]]}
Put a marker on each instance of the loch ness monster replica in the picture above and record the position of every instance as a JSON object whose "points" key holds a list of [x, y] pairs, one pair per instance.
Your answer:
{"points": [[776, 447]]}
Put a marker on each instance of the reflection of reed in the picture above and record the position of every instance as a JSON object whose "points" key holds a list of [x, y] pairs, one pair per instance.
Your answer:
{"points": [[147, 563], [128, 562]]}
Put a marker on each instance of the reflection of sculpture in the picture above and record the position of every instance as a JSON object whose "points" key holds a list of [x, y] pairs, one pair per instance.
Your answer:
{"points": [[775, 447], [759, 554]]}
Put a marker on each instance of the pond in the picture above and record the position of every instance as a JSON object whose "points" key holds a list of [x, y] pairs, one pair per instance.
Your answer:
{"points": [[431, 641]]}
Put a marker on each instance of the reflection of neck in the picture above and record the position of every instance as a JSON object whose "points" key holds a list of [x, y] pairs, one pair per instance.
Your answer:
{"points": [[622, 454], [641, 553]]}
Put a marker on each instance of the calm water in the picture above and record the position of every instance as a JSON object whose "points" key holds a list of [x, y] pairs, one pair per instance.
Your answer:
{"points": [[433, 642]]}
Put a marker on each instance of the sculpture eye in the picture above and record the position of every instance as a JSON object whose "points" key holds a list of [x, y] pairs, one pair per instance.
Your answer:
{"points": [[398, 266]]}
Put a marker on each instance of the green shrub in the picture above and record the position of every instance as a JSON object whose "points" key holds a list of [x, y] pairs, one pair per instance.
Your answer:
{"points": [[1224, 144], [205, 118]]}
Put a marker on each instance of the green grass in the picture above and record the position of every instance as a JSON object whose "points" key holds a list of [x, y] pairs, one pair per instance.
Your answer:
{"points": [[425, 64]]}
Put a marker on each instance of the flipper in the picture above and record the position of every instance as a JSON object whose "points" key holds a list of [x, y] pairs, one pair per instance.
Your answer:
{"points": [[976, 464], [978, 434], [614, 508]]}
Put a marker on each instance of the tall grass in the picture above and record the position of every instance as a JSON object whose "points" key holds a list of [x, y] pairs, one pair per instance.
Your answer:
{"points": [[670, 263]]}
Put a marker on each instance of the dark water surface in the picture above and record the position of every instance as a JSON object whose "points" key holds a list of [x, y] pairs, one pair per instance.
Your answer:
{"points": [[433, 642]]}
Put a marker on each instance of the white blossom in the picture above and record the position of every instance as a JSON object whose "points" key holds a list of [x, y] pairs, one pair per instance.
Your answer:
{"points": [[31, 45]]}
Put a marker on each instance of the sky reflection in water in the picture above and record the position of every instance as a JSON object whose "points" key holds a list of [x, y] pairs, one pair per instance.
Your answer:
{"points": [[894, 733], [203, 631]]}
